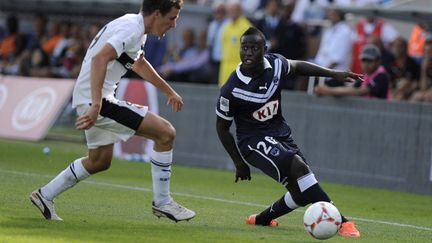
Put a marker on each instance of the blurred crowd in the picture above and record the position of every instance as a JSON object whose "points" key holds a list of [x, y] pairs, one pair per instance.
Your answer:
{"points": [[311, 30]]}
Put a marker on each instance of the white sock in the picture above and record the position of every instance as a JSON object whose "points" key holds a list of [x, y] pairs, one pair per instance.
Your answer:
{"points": [[161, 174], [70, 176]]}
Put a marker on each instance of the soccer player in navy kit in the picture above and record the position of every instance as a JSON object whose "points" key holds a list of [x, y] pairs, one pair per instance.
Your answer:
{"points": [[106, 120], [252, 98]]}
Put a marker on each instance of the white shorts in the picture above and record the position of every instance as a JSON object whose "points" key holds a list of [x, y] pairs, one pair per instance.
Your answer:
{"points": [[117, 120]]}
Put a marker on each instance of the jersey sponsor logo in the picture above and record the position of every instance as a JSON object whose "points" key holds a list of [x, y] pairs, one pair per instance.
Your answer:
{"points": [[224, 104], [267, 111]]}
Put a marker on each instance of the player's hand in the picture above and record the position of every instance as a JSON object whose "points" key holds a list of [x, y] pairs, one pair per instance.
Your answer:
{"points": [[242, 172], [87, 120], [349, 77], [175, 101]]}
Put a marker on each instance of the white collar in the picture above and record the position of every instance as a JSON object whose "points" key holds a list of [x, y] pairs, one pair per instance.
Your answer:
{"points": [[245, 79]]}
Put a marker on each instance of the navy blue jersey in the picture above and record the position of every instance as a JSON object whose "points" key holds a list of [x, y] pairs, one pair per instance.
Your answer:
{"points": [[255, 103]]}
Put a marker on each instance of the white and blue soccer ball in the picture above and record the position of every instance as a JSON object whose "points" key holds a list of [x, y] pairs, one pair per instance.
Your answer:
{"points": [[322, 220]]}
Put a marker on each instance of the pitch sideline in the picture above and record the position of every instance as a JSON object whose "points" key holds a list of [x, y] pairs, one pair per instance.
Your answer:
{"points": [[211, 199]]}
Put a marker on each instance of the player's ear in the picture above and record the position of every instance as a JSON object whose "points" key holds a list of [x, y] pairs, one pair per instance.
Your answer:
{"points": [[265, 48]]}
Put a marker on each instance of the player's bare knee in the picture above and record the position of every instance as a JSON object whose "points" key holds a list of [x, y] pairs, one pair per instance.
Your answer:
{"points": [[98, 163], [168, 136]]}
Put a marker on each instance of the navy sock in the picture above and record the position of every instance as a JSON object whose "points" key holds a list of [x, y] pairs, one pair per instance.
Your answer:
{"points": [[315, 194], [276, 210]]}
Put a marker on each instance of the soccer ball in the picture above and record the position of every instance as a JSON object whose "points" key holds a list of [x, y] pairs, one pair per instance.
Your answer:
{"points": [[322, 220]]}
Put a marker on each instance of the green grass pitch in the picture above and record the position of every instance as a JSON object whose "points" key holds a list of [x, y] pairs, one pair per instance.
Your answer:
{"points": [[115, 206]]}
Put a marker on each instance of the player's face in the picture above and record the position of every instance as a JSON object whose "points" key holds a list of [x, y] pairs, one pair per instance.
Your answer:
{"points": [[252, 49], [163, 23]]}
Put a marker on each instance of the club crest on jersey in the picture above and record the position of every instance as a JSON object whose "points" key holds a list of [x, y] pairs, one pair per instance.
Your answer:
{"points": [[267, 111], [275, 152]]}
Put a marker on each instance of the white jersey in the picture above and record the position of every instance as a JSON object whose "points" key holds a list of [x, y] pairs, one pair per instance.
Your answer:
{"points": [[126, 35]]}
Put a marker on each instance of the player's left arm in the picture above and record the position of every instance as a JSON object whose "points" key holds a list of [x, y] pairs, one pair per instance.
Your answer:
{"points": [[146, 71], [305, 68], [228, 142]]}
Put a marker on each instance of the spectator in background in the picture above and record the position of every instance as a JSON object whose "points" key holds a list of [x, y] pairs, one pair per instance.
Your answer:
{"points": [[155, 50], [34, 62], [416, 42], [425, 92], [292, 44], [11, 47], [35, 39], [334, 51], [376, 80], [292, 39], [387, 57], [214, 37], [251, 7], [231, 34], [356, 3], [190, 68], [55, 35], [309, 10], [2, 33], [335, 47], [366, 28], [271, 24], [404, 71], [187, 49]]}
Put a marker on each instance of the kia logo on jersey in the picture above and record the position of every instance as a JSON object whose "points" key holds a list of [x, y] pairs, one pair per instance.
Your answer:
{"points": [[267, 111]]}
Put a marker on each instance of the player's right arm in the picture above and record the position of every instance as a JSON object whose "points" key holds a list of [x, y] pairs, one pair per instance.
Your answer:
{"points": [[228, 142], [99, 65], [143, 68]]}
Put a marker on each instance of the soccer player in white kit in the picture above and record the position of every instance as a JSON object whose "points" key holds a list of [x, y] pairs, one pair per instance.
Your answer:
{"points": [[115, 49]]}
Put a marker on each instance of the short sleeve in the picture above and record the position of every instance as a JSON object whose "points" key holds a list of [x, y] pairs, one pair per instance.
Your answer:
{"points": [[225, 105], [123, 40]]}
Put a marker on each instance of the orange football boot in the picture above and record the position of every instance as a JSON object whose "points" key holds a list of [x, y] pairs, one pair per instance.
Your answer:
{"points": [[252, 220], [349, 229]]}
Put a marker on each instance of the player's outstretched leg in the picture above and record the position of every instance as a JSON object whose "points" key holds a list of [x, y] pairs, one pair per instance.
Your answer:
{"points": [[43, 198], [163, 204], [268, 217]]}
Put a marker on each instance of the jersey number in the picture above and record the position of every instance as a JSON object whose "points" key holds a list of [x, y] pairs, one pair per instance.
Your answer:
{"points": [[97, 37], [262, 144]]}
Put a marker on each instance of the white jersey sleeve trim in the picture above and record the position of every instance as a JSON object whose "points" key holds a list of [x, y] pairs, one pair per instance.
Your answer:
{"points": [[223, 116], [289, 66]]}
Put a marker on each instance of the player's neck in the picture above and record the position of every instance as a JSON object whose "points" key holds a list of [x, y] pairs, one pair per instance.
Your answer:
{"points": [[252, 71], [148, 24]]}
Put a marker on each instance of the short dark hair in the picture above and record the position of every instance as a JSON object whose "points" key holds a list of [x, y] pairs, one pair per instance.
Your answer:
{"points": [[254, 31], [164, 6]]}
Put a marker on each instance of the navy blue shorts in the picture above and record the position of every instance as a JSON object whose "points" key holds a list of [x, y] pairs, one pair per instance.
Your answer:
{"points": [[272, 155]]}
